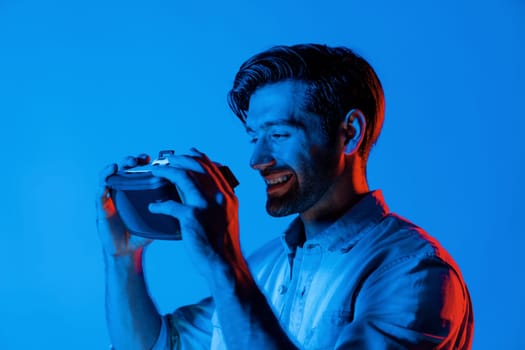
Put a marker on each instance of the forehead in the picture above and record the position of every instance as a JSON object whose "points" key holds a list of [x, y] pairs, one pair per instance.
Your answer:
{"points": [[282, 101]]}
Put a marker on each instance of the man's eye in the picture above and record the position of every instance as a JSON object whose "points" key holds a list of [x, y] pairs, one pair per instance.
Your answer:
{"points": [[279, 136], [253, 140]]}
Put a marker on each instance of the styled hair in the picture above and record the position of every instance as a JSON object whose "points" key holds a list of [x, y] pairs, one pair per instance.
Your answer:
{"points": [[337, 80]]}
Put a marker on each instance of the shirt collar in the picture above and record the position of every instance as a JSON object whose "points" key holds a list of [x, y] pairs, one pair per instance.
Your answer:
{"points": [[345, 231]]}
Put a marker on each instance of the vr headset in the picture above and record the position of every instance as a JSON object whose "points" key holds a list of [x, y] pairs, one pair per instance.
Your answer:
{"points": [[133, 189]]}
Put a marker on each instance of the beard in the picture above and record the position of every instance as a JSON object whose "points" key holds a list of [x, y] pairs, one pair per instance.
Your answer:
{"points": [[309, 186]]}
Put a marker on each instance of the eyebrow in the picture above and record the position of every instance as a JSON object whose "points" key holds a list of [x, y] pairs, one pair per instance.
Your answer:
{"points": [[294, 123]]}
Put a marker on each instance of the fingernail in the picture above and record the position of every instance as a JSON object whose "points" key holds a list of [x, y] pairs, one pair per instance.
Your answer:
{"points": [[144, 157]]}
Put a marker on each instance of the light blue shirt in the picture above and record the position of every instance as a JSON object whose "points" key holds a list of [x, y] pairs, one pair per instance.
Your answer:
{"points": [[372, 280]]}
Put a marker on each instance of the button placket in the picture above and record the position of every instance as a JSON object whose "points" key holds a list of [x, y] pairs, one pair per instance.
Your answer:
{"points": [[282, 289], [310, 263]]}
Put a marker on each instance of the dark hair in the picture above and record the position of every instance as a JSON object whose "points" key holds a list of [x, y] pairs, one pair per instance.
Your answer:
{"points": [[337, 79]]}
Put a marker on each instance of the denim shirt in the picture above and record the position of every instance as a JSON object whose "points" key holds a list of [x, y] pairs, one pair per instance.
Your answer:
{"points": [[372, 280]]}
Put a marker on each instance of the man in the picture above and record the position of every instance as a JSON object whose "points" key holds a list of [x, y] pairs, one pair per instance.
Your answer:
{"points": [[347, 274]]}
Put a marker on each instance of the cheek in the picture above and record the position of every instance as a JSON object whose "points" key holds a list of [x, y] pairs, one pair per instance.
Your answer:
{"points": [[320, 155], [305, 166], [325, 160], [291, 153], [316, 151], [301, 156]]}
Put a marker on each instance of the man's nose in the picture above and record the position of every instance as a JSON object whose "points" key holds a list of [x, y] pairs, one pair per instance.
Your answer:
{"points": [[262, 157]]}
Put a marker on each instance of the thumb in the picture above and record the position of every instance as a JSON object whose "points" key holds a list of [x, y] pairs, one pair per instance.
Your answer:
{"points": [[171, 208]]}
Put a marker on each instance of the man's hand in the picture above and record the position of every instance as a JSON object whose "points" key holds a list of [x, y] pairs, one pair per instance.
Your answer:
{"points": [[116, 240], [133, 320], [208, 214]]}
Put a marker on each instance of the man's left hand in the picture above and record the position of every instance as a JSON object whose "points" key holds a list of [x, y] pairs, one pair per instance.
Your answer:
{"points": [[208, 214]]}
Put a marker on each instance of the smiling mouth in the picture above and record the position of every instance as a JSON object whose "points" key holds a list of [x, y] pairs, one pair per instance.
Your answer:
{"points": [[278, 183], [277, 180]]}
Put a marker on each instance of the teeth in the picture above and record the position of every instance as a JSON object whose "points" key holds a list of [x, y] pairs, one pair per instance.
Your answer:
{"points": [[278, 180]]}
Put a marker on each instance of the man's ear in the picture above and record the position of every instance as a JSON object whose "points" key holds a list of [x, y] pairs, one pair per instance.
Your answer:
{"points": [[354, 127]]}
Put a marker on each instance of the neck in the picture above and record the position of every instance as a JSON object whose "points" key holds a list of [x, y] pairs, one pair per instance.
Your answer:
{"points": [[347, 189]]}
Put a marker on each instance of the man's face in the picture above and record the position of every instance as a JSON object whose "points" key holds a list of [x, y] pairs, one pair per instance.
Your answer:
{"points": [[290, 148]]}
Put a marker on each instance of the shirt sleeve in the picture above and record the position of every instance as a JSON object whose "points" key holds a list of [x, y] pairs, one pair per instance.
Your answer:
{"points": [[189, 327], [162, 340], [413, 303]]}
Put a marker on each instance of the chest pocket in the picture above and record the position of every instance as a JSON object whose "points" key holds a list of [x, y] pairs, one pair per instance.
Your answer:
{"points": [[324, 334]]}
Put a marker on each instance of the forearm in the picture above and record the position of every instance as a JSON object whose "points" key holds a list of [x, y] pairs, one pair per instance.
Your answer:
{"points": [[133, 320], [246, 319]]}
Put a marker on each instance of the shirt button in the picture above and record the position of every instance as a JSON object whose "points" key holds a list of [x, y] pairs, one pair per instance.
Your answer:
{"points": [[282, 289]]}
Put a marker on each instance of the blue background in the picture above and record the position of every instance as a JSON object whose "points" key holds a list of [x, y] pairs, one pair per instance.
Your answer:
{"points": [[84, 83]]}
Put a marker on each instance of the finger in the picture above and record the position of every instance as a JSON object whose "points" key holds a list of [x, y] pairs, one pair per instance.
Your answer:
{"points": [[187, 162], [185, 183], [196, 161], [143, 159], [210, 183], [107, 205], [213, 170], [186, 216], [107, 171], [128, 162], [172, 208], [104, 174], [104, 204]]}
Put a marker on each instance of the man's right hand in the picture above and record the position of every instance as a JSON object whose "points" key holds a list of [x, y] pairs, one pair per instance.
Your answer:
{"points": [[133, 320], [115, 238]]}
